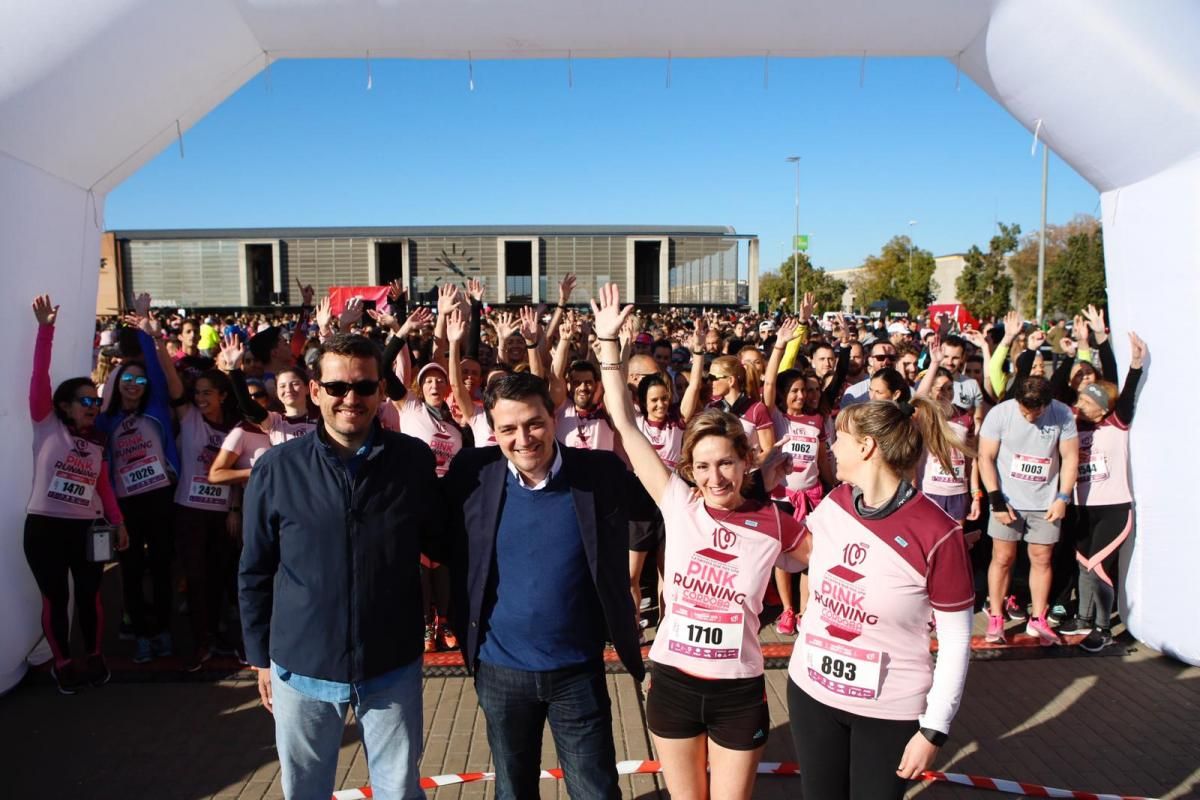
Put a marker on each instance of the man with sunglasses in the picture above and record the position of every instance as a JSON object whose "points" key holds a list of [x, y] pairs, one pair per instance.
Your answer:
{"points": [[335, 523], [882, 355]]}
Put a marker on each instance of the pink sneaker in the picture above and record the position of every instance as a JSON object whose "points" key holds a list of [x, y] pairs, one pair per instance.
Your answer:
{"points": [[786, 624], [1039, 627], [995, 630]]}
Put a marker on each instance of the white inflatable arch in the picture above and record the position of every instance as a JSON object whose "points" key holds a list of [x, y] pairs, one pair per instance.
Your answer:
{"points": [[90, 91]]}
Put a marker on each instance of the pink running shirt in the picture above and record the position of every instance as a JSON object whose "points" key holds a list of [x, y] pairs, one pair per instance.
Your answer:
{"points": [[666, 438], [933, 478], [718, 565], [589, 431], [1103, 463], [138, 457], [199, 444], [863, 646], [443, 438], [248, 441]]}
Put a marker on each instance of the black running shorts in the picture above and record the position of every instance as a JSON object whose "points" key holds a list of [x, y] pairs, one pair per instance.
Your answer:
{"points": [[732, 711]]}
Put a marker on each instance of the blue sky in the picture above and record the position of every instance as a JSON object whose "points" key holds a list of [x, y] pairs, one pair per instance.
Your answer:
{"points": [[311, 146]]}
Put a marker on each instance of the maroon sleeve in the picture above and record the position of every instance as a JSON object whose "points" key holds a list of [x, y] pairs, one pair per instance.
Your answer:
{"points": [[948, 576], [792, 533], [757, 414]]}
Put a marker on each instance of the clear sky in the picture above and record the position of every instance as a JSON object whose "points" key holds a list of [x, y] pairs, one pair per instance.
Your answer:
{"points": [[310, 145]]}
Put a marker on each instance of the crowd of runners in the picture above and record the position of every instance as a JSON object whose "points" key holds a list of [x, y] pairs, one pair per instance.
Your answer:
{"points": [[842, 479]]}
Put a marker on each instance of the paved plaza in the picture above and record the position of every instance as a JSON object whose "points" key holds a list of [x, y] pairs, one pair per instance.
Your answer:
{"points": [[1123, 723]]}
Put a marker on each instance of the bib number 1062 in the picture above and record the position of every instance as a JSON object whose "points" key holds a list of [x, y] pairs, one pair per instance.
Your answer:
{"points": [[836, 668]]}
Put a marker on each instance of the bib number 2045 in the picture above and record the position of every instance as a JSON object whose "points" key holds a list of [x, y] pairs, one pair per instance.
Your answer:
{"points": [[837, 668]]}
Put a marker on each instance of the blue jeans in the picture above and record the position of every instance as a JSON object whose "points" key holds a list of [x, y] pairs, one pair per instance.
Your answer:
{"points": [[308, 733], [575, 700]]}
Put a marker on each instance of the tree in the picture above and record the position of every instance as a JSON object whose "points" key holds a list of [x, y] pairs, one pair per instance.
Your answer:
{"points": [[1076, 278], [776, 286], [984, 287], [1023, 263], [899, 272]]}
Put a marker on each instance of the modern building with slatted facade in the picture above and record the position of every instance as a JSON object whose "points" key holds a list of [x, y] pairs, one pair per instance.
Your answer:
{"points": [[240, 268]]}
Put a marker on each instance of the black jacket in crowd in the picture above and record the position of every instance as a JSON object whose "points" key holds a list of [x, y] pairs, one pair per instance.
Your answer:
{"points": [[602, 491], [330, 585]]}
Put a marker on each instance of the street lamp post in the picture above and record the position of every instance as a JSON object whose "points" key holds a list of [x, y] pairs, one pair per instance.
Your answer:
{"points": [[911, 222], [795, 252]]}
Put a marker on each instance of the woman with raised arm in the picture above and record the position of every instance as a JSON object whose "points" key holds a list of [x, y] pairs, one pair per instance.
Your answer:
{"points": [[795, 400], [207, 519], [71, 491], [144, 465], [706, 705], [868, 708]]}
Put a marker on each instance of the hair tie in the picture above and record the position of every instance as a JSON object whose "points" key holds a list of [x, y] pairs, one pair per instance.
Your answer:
{"points": [[907, 408]]}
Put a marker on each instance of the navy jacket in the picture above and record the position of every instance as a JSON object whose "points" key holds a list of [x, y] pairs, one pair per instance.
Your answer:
{"points": [[330, 583], [600, 487]]}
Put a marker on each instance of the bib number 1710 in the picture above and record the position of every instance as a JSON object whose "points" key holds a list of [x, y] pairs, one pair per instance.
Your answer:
{"points": [[702, 634]]}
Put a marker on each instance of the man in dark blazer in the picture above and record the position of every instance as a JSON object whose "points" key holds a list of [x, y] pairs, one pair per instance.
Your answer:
{"points": [[541, 580]]}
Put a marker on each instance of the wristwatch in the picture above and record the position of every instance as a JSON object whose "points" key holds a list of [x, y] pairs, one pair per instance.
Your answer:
{"points": [[1066, 498], [935, 738]]}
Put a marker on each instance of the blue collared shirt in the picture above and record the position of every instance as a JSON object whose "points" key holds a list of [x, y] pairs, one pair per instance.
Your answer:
{"points": [[555, 466]]}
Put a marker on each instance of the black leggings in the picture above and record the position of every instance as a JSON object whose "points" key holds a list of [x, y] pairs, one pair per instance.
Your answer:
{"points": [[435, 593], [209, 555], [54, 547], [148, 519], [1102, 531], [844, 756]]}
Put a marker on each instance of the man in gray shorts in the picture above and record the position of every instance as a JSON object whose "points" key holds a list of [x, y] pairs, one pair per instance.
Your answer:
{"points": [[1028, 461]]}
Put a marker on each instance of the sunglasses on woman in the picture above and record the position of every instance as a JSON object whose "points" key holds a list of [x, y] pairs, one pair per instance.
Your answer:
{"points": [[88, 402], [342, 388], [140, 380]]}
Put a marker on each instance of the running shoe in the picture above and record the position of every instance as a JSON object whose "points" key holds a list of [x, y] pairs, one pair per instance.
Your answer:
{"points": [[1075, 626], [1015, 611], [1041, 629], [1057, 614], [446, 638], [142, 652], [786, 624], [430, 639], [97, 671], [1097, 640], [644, 604], [160, 645], [995, 630], [66, 678]]}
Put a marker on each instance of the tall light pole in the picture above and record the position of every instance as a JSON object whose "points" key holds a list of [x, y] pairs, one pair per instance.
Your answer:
{"points": [[795, 252], [911, 222], [1041, 273]]}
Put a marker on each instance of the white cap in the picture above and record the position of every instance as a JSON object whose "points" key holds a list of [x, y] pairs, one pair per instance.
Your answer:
{"points": [[897, 327], [108, 338]]}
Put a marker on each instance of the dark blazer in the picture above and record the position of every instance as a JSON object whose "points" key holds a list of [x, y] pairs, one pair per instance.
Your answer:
{"points": [[600, 487], [330, 583]]}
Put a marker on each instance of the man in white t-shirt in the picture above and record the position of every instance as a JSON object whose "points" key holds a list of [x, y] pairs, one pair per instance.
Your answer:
{"points": [[967, 394], [1028, 461], [580, 420]]}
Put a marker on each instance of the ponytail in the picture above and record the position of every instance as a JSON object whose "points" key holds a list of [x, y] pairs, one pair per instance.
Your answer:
{"points": [[903, 431]]}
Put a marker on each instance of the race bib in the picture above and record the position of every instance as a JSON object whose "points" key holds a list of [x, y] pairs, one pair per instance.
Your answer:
{"points": [[70, 488], [143, 474], [204, 493], [958, 461], [1093, 468], [801, 448], [711, 635], [1030, 468], [843, 668]]}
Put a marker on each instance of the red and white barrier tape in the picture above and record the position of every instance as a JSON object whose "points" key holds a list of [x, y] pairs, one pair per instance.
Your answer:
{"points": [[772, 768]]}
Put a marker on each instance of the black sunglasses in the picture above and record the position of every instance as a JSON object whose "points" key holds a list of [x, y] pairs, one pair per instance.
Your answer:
{"points": [[342, 388], [711, 377], [261, 395], [884, 358]]}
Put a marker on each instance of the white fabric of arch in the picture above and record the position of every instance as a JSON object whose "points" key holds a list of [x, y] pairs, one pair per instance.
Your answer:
{"points": [[91, 91]]}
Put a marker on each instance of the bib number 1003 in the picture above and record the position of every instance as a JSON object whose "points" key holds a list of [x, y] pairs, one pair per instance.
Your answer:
{"points": [[836, 668], [702, 634]]}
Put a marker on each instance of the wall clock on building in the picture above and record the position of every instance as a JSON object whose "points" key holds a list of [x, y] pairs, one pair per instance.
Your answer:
{"points": [[452, 259]]}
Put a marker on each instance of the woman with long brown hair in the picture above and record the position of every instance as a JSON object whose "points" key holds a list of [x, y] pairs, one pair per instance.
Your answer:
{"points": [[706, 706], [864, 697]]}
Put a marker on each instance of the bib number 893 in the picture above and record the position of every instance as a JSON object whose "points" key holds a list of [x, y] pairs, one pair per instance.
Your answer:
{"points": [[838, 668]]}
